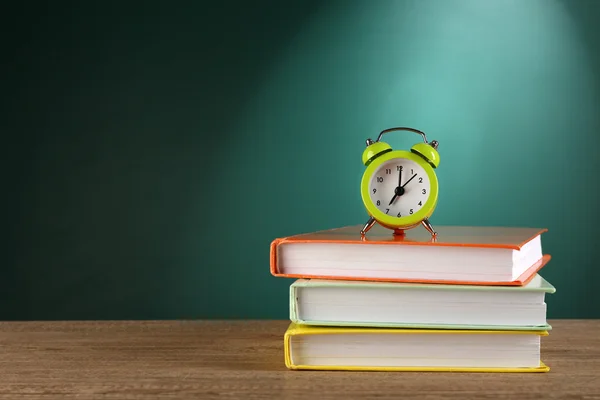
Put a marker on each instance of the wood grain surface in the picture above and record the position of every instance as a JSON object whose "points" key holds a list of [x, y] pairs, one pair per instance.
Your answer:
{"points": [[244, 360]]}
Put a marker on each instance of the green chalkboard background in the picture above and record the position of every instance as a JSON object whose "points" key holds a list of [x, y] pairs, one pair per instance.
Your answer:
{"points": [[152, 150]]}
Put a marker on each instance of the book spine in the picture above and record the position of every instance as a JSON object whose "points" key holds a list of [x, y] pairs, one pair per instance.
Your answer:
{"points": [[293, 304]]}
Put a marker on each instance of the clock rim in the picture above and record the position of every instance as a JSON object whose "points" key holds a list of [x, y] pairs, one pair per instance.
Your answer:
{"points": [[389, 221]]}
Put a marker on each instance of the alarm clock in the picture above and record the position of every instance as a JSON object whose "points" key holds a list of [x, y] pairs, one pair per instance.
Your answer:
{"points": [[399, 188]]}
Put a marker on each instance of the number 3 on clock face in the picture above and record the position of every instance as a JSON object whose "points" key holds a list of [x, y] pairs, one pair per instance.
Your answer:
{"points": [[402, 189]]}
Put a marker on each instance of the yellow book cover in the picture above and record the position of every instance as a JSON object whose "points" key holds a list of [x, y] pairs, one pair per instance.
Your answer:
{"points": [[392, 349]]}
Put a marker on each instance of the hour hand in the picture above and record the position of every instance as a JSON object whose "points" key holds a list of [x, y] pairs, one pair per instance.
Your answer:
{"points": [[399, 191]]}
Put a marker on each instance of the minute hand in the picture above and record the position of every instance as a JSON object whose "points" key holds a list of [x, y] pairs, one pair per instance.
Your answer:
{"points": [[409, 180]]}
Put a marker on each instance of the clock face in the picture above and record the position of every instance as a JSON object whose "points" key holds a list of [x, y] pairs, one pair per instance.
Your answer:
{"points": [[399, 187]]}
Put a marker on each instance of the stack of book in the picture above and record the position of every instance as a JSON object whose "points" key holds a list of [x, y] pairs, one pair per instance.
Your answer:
{"points": [[471, 299]]}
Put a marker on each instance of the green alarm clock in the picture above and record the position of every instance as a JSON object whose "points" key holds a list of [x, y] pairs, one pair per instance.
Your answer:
{"points": [[399, 188]]}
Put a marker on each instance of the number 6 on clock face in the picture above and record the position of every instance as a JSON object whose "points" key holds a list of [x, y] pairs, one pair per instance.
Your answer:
{"points": [[400, 188]]}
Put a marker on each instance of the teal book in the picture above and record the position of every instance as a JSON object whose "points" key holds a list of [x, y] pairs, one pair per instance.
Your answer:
{"points": [[424, 306]]}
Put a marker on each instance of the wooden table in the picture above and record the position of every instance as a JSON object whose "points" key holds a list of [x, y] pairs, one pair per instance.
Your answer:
{"points": [[244, 360]]}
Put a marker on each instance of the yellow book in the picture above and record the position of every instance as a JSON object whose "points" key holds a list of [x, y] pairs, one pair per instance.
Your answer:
{"points": [[392, 349]]}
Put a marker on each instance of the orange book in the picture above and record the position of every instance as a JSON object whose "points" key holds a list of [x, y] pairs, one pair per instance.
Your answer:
{"points": [[466, 255]]}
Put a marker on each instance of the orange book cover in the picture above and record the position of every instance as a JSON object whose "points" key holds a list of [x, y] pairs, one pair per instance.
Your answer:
{"points": [[463, 237]]}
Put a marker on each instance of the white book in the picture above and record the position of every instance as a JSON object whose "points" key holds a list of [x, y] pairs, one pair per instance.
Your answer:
{"points": [[389, 304]]}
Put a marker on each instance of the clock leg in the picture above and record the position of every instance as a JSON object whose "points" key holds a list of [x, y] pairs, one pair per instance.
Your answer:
{"points": [[368, 226], [428, 226]]}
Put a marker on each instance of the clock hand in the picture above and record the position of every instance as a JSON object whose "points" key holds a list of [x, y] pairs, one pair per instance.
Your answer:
{"points": [[400, 177], [399, 191], [398, 187], [408, 180]]}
